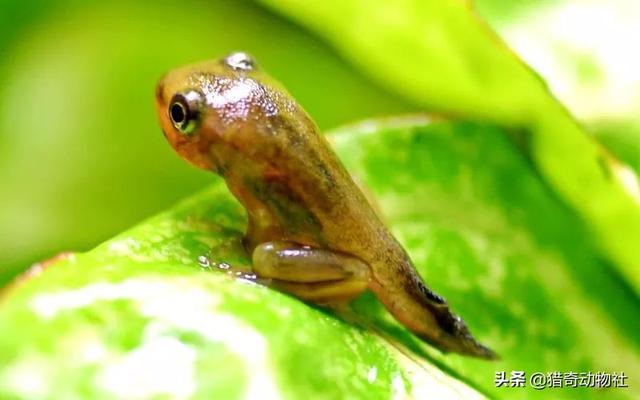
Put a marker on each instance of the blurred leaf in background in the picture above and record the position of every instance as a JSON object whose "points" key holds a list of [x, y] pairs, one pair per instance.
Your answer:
{"points": [[81, 152], [583, 50]]}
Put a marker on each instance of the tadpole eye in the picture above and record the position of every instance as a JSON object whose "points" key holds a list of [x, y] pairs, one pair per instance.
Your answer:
{"points": [[178, 113], [184, 111]]}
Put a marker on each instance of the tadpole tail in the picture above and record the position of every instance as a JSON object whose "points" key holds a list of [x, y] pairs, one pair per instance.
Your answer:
{"points": [[427, 314], [457, 337], [451, 332]]}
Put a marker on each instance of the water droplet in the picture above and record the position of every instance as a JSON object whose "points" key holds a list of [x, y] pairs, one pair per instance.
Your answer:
{"points": [[240, 61], [204, 262]]}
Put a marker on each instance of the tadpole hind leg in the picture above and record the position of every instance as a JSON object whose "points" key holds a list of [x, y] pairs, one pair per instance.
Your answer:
{"points": [[317, 275]]}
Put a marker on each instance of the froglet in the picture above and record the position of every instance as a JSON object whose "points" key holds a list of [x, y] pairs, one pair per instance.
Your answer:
{"points": [[311, 231]]}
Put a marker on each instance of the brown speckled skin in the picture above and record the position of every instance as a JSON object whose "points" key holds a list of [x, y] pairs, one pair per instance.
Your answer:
{"points": [[294, 188]]}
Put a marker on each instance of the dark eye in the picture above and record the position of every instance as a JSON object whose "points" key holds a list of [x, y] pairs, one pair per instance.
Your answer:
{"points": [[178, 113], [184, 111]]}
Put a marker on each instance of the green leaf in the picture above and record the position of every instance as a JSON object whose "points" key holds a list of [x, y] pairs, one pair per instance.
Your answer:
{"points": [[441, 55], [622, 139], [139, 317]]}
